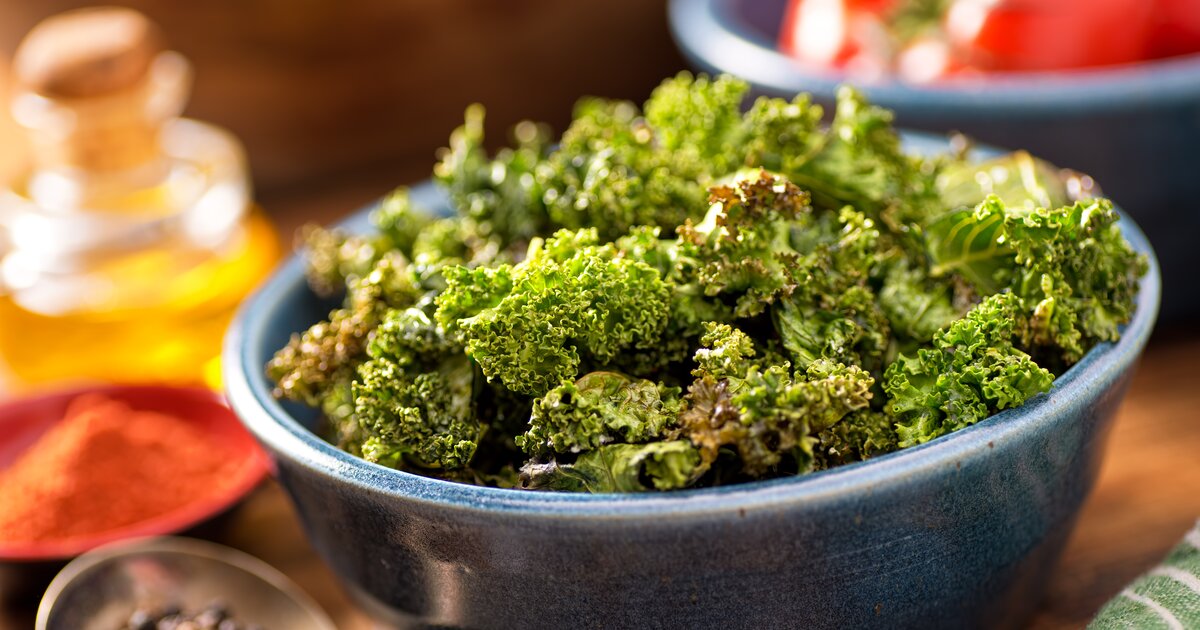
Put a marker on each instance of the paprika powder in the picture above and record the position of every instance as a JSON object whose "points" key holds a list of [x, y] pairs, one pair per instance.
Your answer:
{"points": [[105, 466]]}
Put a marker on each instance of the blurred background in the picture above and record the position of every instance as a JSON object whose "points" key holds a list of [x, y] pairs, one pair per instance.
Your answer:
{"points": [[349, 99], [338, 102]]}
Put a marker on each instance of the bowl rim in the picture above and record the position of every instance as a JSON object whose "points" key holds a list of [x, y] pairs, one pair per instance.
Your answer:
{"points": [[714, 39], [179, 546], [286, 437], [253, 470]]}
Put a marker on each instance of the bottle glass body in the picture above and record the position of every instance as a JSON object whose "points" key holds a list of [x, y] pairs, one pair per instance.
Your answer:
{"points": [[133, 275]]}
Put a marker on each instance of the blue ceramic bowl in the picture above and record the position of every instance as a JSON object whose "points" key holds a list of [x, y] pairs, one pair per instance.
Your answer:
{"points": [[959, 532], [1135, 129]]}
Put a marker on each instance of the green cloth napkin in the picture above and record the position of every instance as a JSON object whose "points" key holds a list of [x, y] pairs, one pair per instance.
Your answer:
{"points": [[1168, 596]]}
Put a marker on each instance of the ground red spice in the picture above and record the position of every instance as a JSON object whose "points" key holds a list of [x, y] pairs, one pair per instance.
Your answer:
{"points": [[107, 466]]}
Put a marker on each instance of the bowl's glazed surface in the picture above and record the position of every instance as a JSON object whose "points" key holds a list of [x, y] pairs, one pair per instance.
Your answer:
{"points": [[959, 532], [1135, 128]]}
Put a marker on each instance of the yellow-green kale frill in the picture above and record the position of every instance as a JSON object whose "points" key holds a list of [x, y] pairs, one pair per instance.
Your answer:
{"points": [[600, 408], [1076, 275], [666, 465], [572, 300], [972, 371], [413, 399], [763, 414]]}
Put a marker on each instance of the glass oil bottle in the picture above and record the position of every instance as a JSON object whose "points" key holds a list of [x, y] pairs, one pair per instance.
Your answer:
{"points": [[129, 239]]}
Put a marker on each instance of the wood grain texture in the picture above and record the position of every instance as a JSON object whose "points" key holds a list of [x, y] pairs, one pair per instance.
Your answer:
{"points": [[320, 88]]}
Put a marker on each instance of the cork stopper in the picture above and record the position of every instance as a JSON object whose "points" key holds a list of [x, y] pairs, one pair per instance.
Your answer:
{"points": [[88, 52], [93, 88]]}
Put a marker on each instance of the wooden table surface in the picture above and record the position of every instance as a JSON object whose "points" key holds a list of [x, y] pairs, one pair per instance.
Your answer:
{"points": [[1147, 496]]}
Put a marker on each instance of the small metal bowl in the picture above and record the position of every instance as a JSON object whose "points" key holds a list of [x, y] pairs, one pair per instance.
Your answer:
{"points": [[101, 589]]}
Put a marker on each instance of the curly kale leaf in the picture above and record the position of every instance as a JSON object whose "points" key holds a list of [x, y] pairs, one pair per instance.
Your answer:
{"points": [[1070, 265], [725, 352], [743, 247], [533, 324], [782, 414], [399, 221], [1018, 179], [782, 136], [769, 417], [411, 340], [424, 420], [335, 258], [322, 358], [615, 170], [916, 305], [610, 173], [1076, 272], [972, 371], [413, 397], [667, 465], [861, 163], [318, 366], [845, 326], [859, 436], [332, 256], [600, 408], [690, 308], [701, 117], [499, 195], [833, 312]]}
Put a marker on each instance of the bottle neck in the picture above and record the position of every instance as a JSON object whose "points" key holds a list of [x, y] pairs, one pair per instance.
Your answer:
{"points": [[55, 260], [85, 150]]}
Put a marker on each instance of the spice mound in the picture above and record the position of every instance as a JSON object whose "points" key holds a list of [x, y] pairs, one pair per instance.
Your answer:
{"points": [[106, 466]]}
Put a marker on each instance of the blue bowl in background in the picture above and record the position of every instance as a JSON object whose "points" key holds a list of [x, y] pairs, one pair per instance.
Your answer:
{"points": [[1135, 129], [960, 532]]}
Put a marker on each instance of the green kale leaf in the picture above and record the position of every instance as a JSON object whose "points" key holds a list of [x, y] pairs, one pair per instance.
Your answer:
{"points": [[833, 312], [600, 408], [1071, 266], [859, 436], [666, 465], [972, 371], [768, 416], [1018, 179], [743, 247], [413, 399], [532, 325]]}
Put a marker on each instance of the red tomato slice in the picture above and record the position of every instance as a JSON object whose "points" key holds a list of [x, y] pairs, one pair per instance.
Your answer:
{"points": [[844, 34], [1177, 28], [930, 58], [1014, 35]]}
